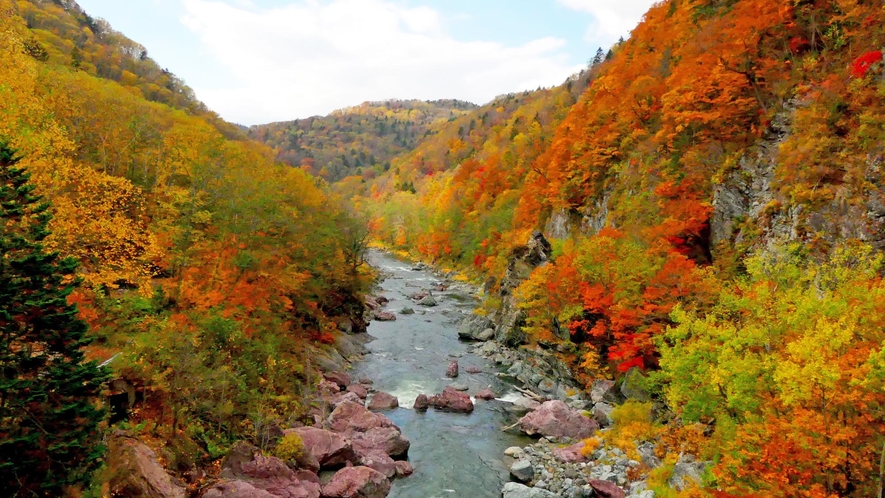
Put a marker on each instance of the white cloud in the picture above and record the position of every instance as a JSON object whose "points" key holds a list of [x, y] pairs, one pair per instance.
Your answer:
{"points": [[612, 18], [313, 57]]}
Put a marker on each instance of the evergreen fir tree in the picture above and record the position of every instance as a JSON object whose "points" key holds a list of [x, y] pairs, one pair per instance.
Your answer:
{"points": [[599, 58], [49, 436]]}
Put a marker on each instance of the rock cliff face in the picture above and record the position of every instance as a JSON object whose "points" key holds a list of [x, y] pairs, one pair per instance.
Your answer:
{"points": [[750, 211], [509, 320]]}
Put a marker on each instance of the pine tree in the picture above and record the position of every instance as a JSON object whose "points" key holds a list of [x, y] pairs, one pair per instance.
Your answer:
{"points": [[599, 58], [49, 436]]}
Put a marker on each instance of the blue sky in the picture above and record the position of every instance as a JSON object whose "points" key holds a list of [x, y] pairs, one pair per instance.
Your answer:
{"points": [[256, 61]]}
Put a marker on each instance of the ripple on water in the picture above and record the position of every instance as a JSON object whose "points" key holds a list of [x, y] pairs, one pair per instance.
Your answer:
{"points": [[454, 454]]}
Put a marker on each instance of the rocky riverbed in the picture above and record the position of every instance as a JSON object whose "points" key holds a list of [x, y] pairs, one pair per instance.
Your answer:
{"points": [[432, 404]]}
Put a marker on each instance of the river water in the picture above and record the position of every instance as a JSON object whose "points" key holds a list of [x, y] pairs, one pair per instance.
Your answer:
{"points": [[454, 454]]}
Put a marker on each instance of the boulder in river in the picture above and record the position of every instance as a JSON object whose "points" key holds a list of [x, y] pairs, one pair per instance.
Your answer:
{"points": [[358, 389], [473, 370], [342, 397], [485, 394], [329, 448], [403, 468], [379, 461], [340, 378], [452, 401], [383, 401], [452, 370], [555, 419], [421, 403], [357, 482], [354, 417], [429, 301], [407, 311], [387, 440], [417, 296], [372, 304], [384, 316]]}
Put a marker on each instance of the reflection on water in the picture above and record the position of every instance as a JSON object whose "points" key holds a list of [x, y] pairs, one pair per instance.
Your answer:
{"points": [[454, 455]]}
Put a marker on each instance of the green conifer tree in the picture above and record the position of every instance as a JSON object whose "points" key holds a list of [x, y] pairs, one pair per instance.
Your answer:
{"points": [[49, 435]]}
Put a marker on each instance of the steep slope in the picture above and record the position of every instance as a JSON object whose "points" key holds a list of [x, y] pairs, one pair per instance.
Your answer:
{"points": [[715, 199], [62, 33], [209, 271], [468, 175], [359, 140]]}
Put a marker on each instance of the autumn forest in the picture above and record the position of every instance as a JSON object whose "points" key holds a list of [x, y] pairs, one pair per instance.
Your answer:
{"points": [[712, 189]]}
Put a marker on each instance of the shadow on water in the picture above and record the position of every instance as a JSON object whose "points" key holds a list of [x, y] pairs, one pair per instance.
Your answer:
{"points": [[454, 455]]}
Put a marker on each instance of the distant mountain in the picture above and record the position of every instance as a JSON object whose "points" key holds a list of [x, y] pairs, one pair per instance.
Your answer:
{"points": [[359, 140]]}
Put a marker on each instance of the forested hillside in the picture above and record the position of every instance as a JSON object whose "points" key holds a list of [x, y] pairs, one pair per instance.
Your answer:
{"points": [[207, 270], [712, 192], [359, 141], [714, 199], [61, 33], [469, 174]]}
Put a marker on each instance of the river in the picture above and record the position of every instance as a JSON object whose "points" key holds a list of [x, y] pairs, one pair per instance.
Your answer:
{"points": [[454, 454]]}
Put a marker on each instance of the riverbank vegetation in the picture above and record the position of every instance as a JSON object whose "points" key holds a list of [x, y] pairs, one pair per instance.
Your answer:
{"points": [[712, 187], [208, 270], [711, 198]]}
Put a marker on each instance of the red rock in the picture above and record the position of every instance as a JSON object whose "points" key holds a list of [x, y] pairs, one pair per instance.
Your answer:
{"points": [[306, 475], [384, 316], [382, 300], [418, 296], [339, 378], [342, 397], [372, 304], [570, 454], [290, 488], [357, 482], [354, 417], [380, 461], [421, 403], [605, 489], [383, 401], [236, 489], [403, 468], [329, 387], [329, 448], [358, 389], [452, 401], [452, 370], [556, 419], [136, 470], [473, 370], [245, 463], [388, 440], [485, 394]]}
